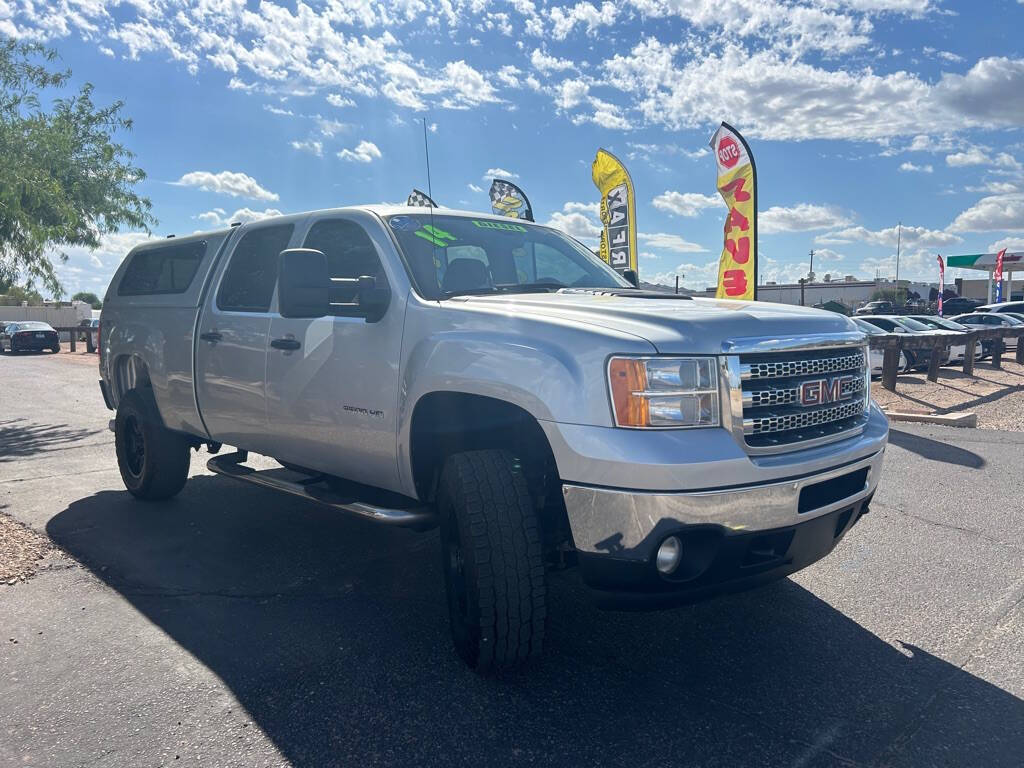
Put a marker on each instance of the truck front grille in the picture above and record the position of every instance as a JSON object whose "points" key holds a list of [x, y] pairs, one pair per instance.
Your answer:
{"points": [[793, 397]]}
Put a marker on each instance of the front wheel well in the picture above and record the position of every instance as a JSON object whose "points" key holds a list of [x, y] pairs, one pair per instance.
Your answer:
{"points": [[446, 423]]}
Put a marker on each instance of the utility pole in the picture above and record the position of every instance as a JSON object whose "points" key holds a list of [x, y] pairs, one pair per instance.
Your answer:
{"points": [[899, 234], [677, 283], [810, 271], [802, 281]]}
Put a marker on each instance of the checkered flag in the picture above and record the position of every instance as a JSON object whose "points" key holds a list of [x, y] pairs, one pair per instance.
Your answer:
{"points": [[509, 200], [420, 200]]}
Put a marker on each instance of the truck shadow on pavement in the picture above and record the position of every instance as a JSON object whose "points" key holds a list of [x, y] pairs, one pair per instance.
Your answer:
{"points": [[332, 633], [927, 448]]}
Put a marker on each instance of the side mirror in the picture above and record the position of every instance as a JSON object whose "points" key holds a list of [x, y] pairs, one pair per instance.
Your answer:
{"points": [[632, 276], [373, 301], [303, 285]]}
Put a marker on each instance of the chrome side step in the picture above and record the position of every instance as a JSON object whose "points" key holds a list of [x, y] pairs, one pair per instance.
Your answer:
{"points": [[230, 465]]}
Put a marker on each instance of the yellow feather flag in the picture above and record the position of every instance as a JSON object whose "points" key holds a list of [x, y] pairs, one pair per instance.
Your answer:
{"points": [[737, 184], [618, 211]]}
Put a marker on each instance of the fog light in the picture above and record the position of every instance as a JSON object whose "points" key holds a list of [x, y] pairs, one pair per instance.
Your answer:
{"points": [[669, 554]]}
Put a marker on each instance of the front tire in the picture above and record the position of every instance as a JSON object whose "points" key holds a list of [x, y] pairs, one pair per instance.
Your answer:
{"points": [[492, 561], [153, 460]]}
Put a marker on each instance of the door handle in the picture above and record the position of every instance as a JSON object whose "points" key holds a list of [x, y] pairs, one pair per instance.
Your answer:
{"points": [[287, 344], [211, 336]]}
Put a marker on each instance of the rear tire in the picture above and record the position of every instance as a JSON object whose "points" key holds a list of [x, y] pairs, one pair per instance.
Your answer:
{"points": [[153, 460], [492, 561]]}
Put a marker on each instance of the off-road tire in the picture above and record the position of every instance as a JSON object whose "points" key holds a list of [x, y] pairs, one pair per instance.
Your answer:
{"points": [[492, 561], [153, 460]]}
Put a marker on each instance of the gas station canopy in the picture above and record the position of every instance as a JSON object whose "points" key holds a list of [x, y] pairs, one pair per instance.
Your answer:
{"points": [[986, 262]]}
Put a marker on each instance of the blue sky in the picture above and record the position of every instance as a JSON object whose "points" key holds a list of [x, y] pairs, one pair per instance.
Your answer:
{"points": [[860, 114]]}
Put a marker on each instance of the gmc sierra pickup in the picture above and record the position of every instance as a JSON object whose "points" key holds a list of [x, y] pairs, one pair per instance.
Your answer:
{"points": [[425, 367]]}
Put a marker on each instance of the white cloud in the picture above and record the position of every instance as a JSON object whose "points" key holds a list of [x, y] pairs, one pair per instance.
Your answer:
{"points": [[1012, 244], [545, 63], [669, 242], [500, 173], [909, 167], [226, 183], [976, 155], [802, 217], [564, 20], [217, 218], [337, 100], [908, 236], [686, 203], [577, 225], [310, 145], [773, 96], [998, 213], [364, 152], [593, 209], [474, 188], [693, 276]]}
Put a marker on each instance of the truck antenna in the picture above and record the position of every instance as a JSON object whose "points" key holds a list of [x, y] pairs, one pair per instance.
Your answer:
{"points": [[426, 152]]}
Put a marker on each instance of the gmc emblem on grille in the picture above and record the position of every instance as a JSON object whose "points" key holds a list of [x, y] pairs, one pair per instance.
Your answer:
{"points": [[822, 391]]}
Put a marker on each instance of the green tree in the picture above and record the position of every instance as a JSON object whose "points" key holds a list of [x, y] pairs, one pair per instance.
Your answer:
{"points": [[89, 298], [64, 181], [15, 294]]}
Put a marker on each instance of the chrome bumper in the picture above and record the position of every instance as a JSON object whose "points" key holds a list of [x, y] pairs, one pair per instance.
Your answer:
{"points": [[612, 521]]}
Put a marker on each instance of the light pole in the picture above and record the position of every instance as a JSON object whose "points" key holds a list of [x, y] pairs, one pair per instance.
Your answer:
{"points": [[810, 271], [899, 233]]}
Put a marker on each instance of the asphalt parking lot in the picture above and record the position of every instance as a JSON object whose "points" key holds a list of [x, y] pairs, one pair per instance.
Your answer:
{"points": [[232, 627]]}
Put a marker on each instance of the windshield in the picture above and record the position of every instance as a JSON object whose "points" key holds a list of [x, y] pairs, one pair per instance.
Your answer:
{"points": [[868, 328], [940, 322], [458, 255], [31, 326], [913, 325]]}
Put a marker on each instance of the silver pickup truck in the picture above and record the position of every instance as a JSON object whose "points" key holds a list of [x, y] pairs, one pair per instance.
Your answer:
{"points": [[427, 367]]}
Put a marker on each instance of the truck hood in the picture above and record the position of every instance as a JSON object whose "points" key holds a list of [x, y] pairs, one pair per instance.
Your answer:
{"points": [[671, 325]]}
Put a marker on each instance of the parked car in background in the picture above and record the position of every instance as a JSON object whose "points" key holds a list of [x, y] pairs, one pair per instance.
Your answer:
{"points": [[875, 308], [92, 328], [992, 320], [919, 358], [957, 352], [877, 356], [958, 305], [29, 335], [1005, 306]]}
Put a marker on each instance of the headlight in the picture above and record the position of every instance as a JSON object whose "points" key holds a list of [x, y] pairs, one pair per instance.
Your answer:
{"points": [[664, 391]]}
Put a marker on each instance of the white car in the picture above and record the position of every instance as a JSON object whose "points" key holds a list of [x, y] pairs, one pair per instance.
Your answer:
{"points": [[877, 356]]}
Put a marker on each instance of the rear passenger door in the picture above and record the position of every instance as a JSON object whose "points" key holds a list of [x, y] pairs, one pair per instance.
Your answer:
{"points": [[332, 382], [231, 351]]}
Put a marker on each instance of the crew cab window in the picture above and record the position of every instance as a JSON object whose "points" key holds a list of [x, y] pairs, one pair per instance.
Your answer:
{"points": [[166, 269], [248, 283], [452, 255], [350, 254]]}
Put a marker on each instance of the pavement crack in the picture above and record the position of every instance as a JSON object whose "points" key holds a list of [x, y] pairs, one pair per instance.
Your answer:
{"points": [[950, 526]]}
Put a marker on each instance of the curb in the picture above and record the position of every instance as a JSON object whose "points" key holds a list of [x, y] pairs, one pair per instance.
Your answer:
{"points": [[969, 419]]}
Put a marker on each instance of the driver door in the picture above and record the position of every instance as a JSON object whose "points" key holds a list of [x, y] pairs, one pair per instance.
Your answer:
{"points": [[332, 382]]}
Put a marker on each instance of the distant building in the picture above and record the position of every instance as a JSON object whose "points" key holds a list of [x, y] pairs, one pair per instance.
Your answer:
{"points": [[848, 291], [977, 288]]}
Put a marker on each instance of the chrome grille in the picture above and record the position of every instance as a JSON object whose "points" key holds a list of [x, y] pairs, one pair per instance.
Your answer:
{"points": [[786, 368], [775, 415], [786, 395]]}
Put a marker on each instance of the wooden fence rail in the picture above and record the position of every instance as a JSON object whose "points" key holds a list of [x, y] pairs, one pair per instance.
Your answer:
{"points": [[893, 344]]}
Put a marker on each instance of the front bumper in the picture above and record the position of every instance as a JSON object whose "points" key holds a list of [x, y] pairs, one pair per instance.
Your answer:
{"points": [[790, 511]]}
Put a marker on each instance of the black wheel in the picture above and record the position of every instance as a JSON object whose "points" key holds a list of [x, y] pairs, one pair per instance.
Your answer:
{"points": [[55, 349], [153, 460], [492, 561]]}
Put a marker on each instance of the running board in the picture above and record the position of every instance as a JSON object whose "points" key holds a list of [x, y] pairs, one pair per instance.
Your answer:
{"points": [[230, 464]]}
